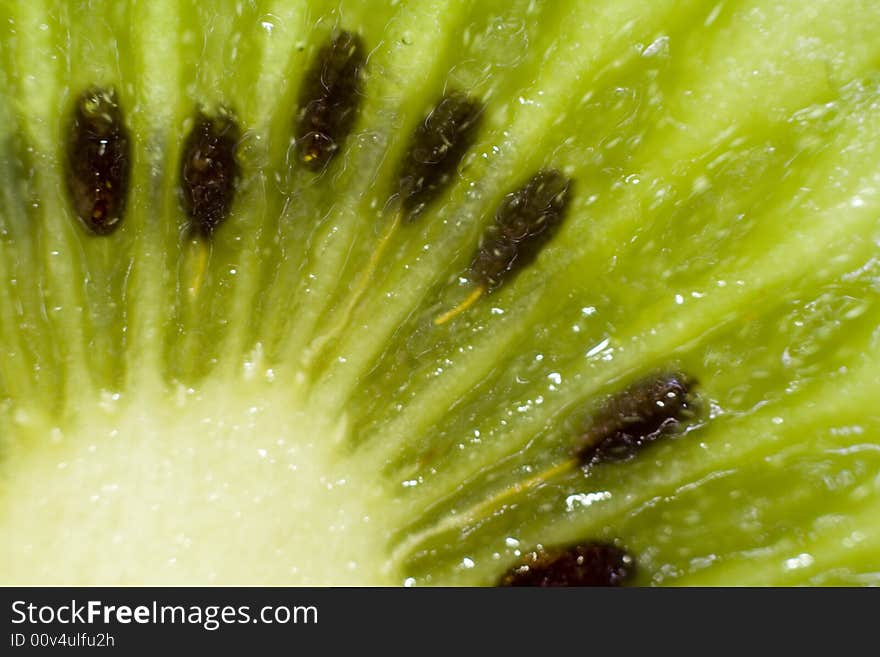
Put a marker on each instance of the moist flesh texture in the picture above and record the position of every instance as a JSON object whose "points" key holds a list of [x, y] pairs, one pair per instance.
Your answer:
{"points": [[232, 406]]}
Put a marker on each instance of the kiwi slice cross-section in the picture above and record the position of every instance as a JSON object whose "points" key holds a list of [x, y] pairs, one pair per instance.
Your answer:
{"points": [[440, 293]]}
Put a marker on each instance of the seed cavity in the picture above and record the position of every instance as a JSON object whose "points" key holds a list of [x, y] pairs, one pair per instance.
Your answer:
{"points": [[632, 419], [525, 221], [593, 563], [98, 160], [436, 149], [329, 100], [209, 170]]}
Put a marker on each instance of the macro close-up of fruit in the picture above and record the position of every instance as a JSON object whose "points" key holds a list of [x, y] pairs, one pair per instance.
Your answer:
{"points": [[441, 293]]}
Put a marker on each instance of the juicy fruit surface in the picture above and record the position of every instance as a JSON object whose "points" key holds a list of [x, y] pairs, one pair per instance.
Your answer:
{"points": [[240, 410]]}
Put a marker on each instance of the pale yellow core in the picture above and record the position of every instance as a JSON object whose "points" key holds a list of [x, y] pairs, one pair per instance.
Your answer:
{"points": [[235, 484]]}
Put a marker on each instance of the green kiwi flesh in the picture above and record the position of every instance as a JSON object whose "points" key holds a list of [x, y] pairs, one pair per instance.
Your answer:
{"points": [[245, 348]]}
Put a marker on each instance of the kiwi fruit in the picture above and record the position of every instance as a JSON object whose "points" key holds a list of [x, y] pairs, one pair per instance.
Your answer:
{"points": [[440, 293]]}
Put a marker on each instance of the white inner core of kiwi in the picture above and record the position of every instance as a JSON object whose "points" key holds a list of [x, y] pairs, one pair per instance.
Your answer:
{"points": [[234, 484]]}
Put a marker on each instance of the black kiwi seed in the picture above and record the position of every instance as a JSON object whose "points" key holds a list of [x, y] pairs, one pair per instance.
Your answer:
{"points": [[526, 220], [436, 149], [329, 99], [209, 170], [585, 564], [98, 160], [637, 416]]}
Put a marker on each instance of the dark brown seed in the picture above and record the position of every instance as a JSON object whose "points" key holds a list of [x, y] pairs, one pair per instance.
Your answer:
{"points": [[209, 170], [98, 160], [329, 100], [586, 564], [435, 151], [525, 221], [636, 417]]}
